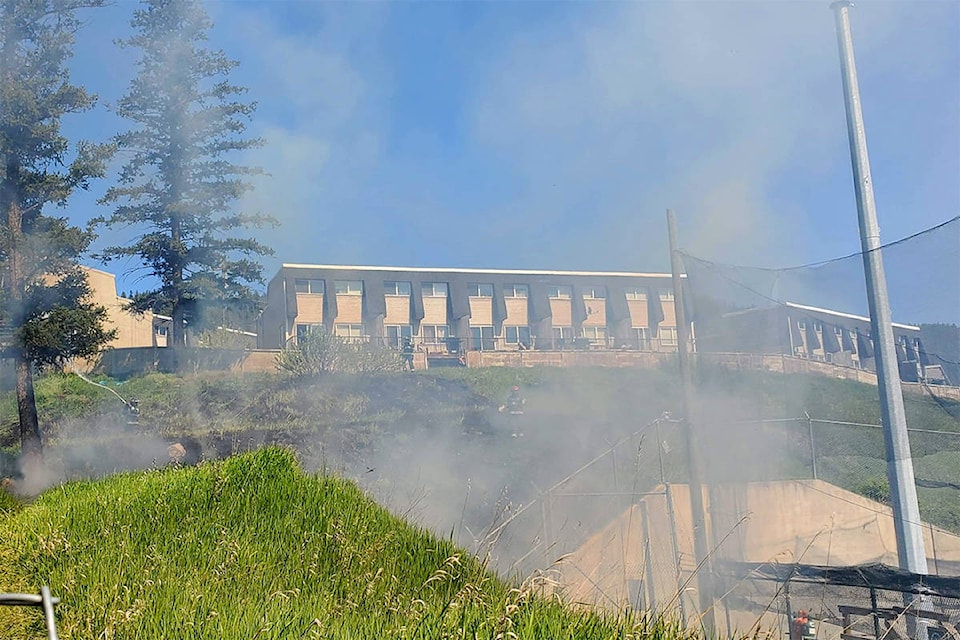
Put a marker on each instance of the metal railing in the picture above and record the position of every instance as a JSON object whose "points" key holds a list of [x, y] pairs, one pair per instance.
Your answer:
{"points": [[456, 346], [42, 600]]}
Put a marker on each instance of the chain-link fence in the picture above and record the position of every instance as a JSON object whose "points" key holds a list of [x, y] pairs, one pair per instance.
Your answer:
{"points": [[618, 532], [866, 602]]}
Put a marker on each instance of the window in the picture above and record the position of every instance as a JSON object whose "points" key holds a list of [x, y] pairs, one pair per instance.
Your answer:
{"points": [[801, 324], [304, 285], [398, 334], [517, 335], [480, 290], [482, 338], [434, 333], [838, 331], [562, 337], [352, 331], [434, 289], [516, 291], [595, 333], [668, 336], [162, 331], [666, 294], [636, 293], [560, 292], [396, 288], [596, 293], [818, 326], [349, 287], [303, 329], [563, 333], [642, 335]]}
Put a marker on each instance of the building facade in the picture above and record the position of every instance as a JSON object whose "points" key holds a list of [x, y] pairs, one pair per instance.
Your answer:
{"points": [[446, 311], [809, 332], [133, 330]]}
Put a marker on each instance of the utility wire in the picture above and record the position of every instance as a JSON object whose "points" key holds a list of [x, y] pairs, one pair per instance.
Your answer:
{"points": [[715, 267], [821, 263]]}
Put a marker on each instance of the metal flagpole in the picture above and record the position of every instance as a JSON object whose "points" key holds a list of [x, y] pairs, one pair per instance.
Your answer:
{"points": [[903, 490], [701, 548]]}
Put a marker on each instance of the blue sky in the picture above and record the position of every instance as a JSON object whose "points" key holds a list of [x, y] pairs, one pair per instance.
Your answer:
{"points": [[555, 134]]}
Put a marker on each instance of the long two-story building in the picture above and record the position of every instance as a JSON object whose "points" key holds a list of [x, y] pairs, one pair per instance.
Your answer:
{"points": [[453, 310]]}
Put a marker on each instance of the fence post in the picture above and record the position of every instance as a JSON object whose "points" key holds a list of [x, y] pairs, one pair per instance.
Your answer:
{"points": [[545, 517], [651, 602], [787, 604], [933, 544], [813, 445], [676, 555], [873, 612], [659, 450]]}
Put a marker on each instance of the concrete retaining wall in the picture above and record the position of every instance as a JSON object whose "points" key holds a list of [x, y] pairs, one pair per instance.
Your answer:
{"points": [[643, 359], [127, 362], [122, 363]]}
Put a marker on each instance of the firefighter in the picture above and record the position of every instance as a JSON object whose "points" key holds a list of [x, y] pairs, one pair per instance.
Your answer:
{"points": [[802, 628], [133, 412], [515, 402], [407, 352]]}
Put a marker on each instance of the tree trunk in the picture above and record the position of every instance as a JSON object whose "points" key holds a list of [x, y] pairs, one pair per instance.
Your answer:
{"points": [[31, 446], [178, 339], [30, 443]]}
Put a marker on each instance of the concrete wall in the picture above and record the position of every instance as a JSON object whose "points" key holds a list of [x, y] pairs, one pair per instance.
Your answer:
{"points": [[123, 363], [133, 330], [647, 359], [808, 521]]}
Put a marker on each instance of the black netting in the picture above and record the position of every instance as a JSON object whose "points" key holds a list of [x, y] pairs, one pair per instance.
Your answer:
{"points": [[820, 312], [866, 602]]}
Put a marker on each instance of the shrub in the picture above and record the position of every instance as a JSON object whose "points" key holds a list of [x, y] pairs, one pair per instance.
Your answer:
{"points": [[875, 488], [319, 352]]}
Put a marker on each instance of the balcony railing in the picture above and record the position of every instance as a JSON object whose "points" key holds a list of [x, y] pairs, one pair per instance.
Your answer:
{"points": [[458, 346]]}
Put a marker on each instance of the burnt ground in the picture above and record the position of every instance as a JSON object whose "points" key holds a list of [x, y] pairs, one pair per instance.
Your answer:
{"points": [[435, 448]]}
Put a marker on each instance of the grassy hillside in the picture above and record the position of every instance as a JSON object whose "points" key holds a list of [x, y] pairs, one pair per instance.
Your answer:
{"points": [[178, 406], [439, 432], [254, 548]]}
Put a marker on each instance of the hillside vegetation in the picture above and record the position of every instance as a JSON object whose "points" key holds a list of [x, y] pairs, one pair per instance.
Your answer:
{"points": [[384, 427], [252, 547]]}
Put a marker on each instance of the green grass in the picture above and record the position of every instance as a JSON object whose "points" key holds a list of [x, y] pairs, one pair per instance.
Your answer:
{"points": [[254, 548], [8, 504]]}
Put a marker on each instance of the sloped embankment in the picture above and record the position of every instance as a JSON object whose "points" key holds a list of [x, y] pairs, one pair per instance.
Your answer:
{"points": [[252, 547]]}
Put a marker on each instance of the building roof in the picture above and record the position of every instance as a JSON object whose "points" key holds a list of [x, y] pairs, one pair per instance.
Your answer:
{"points": [[533, 272], [850, 316]]}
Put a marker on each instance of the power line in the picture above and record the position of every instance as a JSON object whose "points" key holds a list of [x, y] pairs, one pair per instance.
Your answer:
{"points": [[858, 254]]}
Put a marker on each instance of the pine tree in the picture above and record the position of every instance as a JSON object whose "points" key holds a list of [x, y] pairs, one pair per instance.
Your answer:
{"points": [[181, 180], [45, 307]]}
